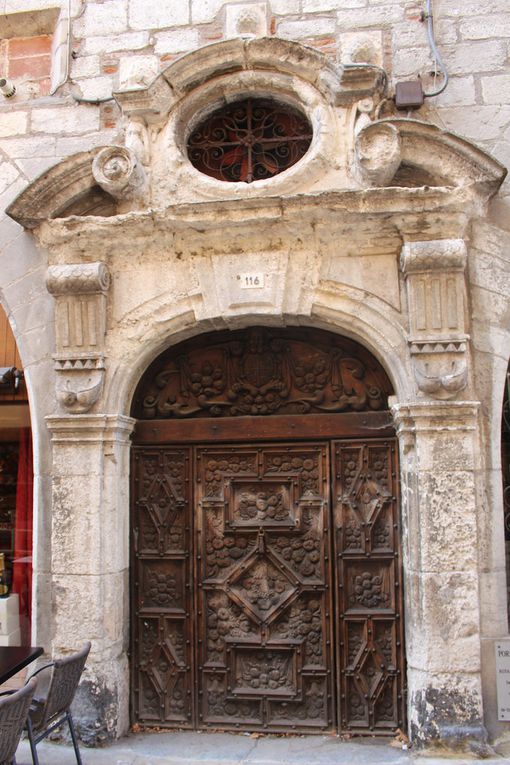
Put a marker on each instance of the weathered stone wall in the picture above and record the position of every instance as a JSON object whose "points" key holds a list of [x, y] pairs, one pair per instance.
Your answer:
{"points": [[346, 279]]}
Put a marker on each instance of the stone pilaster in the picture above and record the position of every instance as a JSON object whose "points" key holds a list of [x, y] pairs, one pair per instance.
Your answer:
{"points": [[90, 562], [436, 294], [80, 324], [439, 466]]}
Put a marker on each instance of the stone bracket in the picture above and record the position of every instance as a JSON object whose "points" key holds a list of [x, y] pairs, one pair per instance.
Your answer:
{"points": [[80, 322], [436, 292]]}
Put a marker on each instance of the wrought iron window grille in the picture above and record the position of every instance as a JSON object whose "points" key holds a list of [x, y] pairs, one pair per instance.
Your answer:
{"points": [[250, 140]]}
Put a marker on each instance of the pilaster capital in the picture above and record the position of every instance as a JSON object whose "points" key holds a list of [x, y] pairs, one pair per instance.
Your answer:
{"points": [[90, 428], [434, 255], [78, 279], [435, 416]]}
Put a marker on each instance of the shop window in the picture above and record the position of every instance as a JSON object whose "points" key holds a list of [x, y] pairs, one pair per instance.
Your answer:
{"points": [[16, 497]]}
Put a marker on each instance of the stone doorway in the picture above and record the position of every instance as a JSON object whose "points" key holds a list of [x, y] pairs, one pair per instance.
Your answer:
{"points": [[266, 569]]}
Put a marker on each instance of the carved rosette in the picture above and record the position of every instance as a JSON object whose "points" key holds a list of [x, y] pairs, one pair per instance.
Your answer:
{"points": [[438, 343], [119, 172], [80, 322]]}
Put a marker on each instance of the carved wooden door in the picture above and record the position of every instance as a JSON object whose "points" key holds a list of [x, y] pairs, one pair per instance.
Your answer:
{"points": [[243, 617], [369, 626], [264, 601]]}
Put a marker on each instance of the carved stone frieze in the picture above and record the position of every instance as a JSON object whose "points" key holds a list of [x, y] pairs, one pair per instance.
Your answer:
{"points": [[438, 343], [80, 322]]}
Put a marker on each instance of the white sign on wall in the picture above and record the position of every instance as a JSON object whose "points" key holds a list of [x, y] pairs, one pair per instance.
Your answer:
{"points": [[503, 679]]}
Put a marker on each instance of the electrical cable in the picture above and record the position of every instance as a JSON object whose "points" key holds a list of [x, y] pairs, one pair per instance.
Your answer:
{"points": [[433, 48]]}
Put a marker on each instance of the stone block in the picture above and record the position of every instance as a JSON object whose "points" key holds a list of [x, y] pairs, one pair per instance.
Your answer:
{"points": [[177, 40], [87, 66], [314, 26], [461, 91], [442, 628], [78, 609], [495, 89], [8, 174], [361, 47], [164, 13], [478, 122], [102, 19], [13, 123], [409, 62], [495, 25], [71, 119], [137, 71], [442, 523], [30, 146], [319, 6], [246, 20], [96, 87], [127, 41], [203, 11], [445, 708], [33, 168], [481, 56], [285, 7], [371, 16]]}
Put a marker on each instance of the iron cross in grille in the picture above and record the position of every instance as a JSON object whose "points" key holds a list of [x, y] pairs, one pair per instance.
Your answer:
{"points": [[249, 140]]}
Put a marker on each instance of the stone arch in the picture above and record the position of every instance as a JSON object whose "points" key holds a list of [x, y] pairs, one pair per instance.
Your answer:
{"points": [[369, 323]]}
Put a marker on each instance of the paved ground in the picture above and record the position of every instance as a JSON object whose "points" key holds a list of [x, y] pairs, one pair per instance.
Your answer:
{"points": [[183, 748]]}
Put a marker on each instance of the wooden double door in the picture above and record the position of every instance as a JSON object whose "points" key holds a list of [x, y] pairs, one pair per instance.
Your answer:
{"points": [[266, 585]]}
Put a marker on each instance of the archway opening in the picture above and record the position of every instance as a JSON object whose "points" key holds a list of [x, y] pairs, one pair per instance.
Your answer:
{"points": [[266, 569]]}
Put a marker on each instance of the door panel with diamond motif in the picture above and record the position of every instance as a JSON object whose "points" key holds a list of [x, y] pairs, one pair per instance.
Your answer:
{"points": [[161, 583], [370, 654], [264, 606]]}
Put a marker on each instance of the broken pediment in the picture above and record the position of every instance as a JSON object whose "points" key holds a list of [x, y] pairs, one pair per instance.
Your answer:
{"points": [[257, 93]]}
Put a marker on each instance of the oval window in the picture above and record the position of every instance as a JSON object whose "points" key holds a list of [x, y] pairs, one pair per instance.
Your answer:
{"points": [[249, 140]]}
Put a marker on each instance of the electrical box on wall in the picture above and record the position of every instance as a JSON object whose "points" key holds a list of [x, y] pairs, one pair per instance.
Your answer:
{"points": [[409, 95]]}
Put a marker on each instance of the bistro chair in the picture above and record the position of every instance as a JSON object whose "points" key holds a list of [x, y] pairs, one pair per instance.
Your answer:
{"points": [[52, 707], [13, 716]]}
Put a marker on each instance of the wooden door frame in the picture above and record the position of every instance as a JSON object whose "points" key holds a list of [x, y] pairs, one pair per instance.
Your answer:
{"points": [[276, 428]]}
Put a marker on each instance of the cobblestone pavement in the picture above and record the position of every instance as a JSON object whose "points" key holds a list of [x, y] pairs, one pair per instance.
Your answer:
{"points": [[185, 748]]}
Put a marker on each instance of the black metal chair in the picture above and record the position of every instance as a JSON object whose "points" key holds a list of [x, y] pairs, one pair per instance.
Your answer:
{"points": [[51, 709], [14, 707]]}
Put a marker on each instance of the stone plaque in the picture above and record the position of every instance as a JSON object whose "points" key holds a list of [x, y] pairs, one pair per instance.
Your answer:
{"points": [[503, 679]]}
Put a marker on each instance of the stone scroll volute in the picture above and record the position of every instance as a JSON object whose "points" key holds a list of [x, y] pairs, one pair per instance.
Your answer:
{"points": [[438, 343], [80, 323]]}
